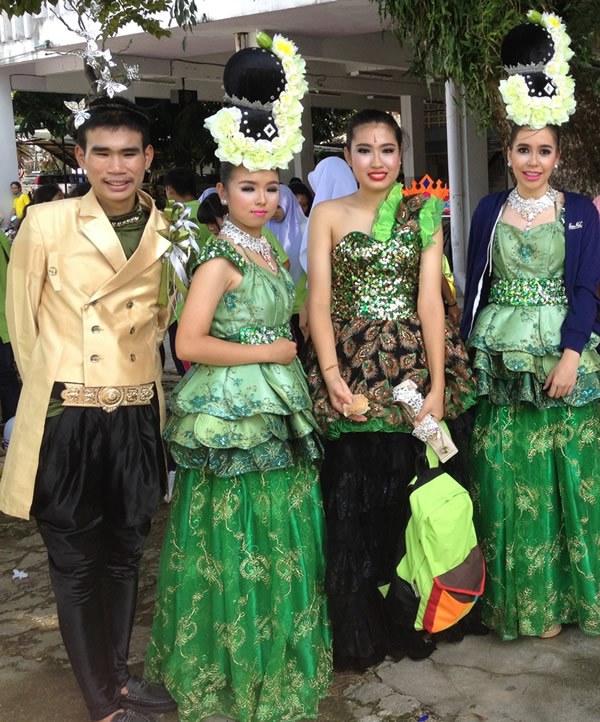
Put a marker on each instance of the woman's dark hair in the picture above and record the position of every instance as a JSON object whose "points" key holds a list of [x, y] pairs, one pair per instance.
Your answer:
{"points": [[226, 171], [368, 117], [514, 131], [210, 209], [113, 113], [299, 189], [45, 193]]}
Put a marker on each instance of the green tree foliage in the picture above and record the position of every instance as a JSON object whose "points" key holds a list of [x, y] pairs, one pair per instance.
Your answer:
{"points": [[460, 39], [115, 14], [328, 124], [35, 111]]}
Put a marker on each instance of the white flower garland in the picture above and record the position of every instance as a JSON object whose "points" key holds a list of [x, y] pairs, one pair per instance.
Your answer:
{"points": [[537, 112], [236, 148]]}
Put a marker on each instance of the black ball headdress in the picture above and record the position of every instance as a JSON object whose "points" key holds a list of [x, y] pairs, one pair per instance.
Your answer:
{"points": [[539, 90], [261, 128]]}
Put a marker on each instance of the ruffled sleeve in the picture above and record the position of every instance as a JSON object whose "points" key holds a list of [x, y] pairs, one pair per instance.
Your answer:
{"points": [[385, 217], [430, 218]]}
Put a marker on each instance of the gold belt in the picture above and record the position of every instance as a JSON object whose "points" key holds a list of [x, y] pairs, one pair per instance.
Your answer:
{"points": [[107, 398]]}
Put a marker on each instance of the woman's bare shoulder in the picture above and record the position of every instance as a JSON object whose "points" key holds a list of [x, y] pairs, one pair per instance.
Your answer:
{"points": [[336, 205]]}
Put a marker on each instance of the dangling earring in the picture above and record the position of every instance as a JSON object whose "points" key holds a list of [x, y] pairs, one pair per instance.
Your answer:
{"points": [[555, 166], [509, 164]]}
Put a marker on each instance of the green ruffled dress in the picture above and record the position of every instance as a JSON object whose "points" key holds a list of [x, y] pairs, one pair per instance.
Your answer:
{"points": [[240, 626], [535, 461]]}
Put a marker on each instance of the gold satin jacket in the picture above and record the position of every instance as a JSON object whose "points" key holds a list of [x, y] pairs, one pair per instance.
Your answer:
{"points": [[77, 310]]}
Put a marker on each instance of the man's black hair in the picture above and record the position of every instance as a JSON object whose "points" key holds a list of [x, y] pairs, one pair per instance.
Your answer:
{"points": [[114, 113], [182, 181]]}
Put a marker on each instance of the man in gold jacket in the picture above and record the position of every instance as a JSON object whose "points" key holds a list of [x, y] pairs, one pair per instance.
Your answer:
{"points": [[86, 457]]}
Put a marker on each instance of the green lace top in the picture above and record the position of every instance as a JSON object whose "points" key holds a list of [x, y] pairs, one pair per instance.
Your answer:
{"points": [[235, 419]]}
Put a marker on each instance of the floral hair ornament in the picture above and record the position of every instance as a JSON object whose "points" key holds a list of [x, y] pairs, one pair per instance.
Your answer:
{"points": [[108, 77], [261, 129], [539, 90]]}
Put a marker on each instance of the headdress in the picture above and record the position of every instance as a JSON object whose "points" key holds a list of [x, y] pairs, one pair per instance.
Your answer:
{"points": [[261, 128], [539, 90], [106, 77]]}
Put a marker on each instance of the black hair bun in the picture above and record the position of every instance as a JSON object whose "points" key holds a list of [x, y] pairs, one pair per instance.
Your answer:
{"points": [[527, 46], [254, 75]]}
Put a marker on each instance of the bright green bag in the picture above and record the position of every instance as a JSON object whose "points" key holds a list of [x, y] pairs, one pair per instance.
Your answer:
{"points": [[440, 571]]}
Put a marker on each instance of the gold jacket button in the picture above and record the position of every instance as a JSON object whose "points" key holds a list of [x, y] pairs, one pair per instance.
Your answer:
{"points": [[130, 304], [94, 358], [52, 271], [96, 329], [132, 357]]}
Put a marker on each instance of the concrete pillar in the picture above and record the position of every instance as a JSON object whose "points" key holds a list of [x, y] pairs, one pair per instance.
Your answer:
{"points": [[467, 174], [304, 161], [8, 148], [412, 114]]}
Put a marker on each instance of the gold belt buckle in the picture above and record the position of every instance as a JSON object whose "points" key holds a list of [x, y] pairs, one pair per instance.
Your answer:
{"points": [[108, 398]]}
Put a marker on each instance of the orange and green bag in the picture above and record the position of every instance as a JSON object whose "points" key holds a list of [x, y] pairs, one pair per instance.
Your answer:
{"points": [[440, 571]]}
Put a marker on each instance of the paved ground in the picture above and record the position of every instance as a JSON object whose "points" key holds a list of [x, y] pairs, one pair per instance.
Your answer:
{"points": [[479, 680]]}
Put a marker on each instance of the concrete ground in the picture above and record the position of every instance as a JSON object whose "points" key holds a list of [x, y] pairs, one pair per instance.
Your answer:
{"points": [[478, 680]]}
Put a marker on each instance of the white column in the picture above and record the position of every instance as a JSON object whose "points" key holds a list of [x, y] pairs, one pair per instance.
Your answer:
{"points": [[304, 161], [412, 114], [8, 147], [467, 174]]}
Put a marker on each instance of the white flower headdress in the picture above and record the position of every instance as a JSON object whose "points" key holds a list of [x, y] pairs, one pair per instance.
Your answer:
{"points": [[237, 144], [540, 93]]}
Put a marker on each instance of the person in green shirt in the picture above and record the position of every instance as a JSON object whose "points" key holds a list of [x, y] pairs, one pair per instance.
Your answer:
{"points": [[10, 386], [180, 186]]}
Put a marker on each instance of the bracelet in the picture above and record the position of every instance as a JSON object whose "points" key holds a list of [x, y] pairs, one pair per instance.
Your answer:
{"points": [[330, 367], [451, 305]]}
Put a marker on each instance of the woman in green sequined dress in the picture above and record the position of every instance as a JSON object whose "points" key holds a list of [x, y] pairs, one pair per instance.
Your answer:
{"points": [[241, 626], [376, 318], [535, 460]]}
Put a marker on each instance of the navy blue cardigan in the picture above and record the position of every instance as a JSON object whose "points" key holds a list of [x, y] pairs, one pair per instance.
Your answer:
{"points": [[582, 266]]}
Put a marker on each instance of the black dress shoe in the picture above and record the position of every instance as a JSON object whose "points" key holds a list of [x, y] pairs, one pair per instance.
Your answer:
{"points": [[130, 715], [147, 697]]}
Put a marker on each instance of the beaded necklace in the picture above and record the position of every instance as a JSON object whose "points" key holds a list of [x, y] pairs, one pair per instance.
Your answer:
{"points": [[529, 208], [245, 240]]}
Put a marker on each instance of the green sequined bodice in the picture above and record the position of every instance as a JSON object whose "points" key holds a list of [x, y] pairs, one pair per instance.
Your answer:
{"points": [[376, 279]]}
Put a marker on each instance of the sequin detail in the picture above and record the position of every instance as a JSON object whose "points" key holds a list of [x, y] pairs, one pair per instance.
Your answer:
{"points": [[265, 334], [529, 292], [376, 280]]}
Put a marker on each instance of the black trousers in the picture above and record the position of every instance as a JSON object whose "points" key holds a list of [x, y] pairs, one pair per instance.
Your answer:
{"points": [[100, 478], [10, 386]]}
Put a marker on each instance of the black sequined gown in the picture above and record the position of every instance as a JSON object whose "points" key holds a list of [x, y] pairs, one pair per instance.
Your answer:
{"points": [[367, 466]]}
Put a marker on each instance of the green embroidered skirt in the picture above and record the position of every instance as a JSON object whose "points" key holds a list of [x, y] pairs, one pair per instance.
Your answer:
{"points": [[536, 476], [241, 627]]}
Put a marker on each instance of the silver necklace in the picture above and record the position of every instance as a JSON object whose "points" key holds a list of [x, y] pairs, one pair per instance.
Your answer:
{"points": [[529, 208], [245, 240]]}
